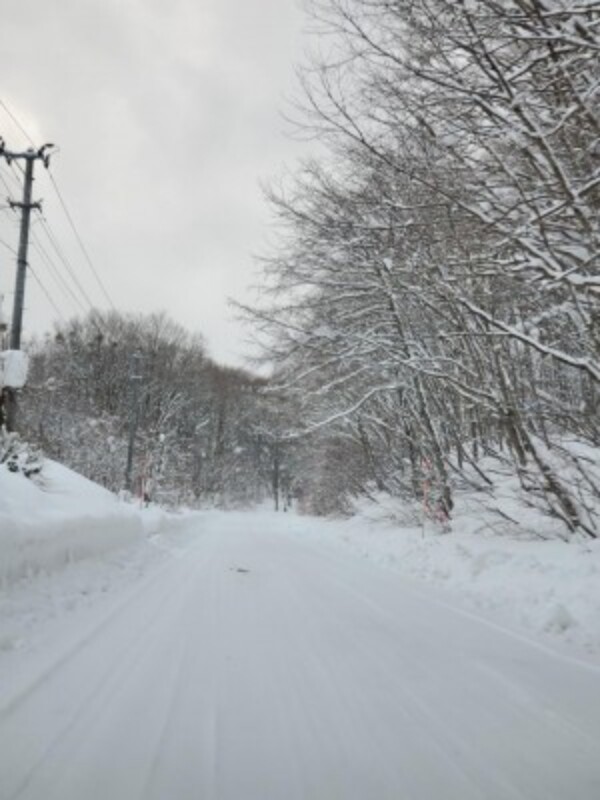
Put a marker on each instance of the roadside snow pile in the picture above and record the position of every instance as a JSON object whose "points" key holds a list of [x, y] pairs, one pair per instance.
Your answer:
{"points": [[57, 518], [532, 581]]}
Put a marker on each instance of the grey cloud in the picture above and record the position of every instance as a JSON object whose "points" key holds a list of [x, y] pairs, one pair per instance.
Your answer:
{"points": [[168, 117]]}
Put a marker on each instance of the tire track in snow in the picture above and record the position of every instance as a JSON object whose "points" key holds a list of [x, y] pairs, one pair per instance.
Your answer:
{"points": [[308, 677], [158, 605], [176, 699], [20, 695], [450, 738]]}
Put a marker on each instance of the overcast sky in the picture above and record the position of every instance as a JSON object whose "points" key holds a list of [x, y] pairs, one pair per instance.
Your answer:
{"points": [[168, 116]]}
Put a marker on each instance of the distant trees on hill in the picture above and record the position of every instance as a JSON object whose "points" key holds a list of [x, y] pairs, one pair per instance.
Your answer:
{"points": [[201, 435]]}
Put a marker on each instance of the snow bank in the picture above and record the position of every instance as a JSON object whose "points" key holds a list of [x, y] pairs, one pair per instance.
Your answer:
{"points": [[530, 581], [58, 518]]}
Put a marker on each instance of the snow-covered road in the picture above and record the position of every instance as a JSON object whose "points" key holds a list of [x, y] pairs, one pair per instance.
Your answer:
{"points": [[254, 666]]}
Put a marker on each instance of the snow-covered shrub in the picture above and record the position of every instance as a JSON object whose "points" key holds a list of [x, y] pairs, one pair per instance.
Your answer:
{"points": [[19, 456]]}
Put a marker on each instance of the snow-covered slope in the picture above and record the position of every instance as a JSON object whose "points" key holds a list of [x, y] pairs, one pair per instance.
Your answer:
{"points": [[56, 518], [545, 586]]}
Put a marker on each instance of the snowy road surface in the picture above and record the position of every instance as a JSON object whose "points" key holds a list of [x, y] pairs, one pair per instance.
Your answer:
{"points": [[256, 667]]}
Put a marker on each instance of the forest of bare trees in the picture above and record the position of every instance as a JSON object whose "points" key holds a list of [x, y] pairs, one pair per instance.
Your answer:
{"points": [[198, 434], [433, 301]]}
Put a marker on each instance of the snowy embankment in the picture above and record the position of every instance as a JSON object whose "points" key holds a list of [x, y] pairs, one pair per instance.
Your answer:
{"points": [[60, 517], [526, 581], [523, 577]]}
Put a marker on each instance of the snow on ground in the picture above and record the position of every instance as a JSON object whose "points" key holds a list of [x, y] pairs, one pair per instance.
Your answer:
{"points": [[65, 540], [56, 518], [541, 585], [265, 655], [59, 517], [64, 543], [247, 663]]}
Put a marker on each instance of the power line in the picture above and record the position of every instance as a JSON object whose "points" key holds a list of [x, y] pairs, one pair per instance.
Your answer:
{"points": [[16, 122], [38, 281], [16, 166], [87, 304], [64, 260], [4, 181], [80, 241], [94, 317], [8, 247], [68, 215], [56, 274], [47, 293]]}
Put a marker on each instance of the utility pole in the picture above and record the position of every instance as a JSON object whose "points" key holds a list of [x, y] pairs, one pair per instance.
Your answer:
{"points": [[3, 329], [30, 157], [3, 325], [134, 384], [19, 300]]}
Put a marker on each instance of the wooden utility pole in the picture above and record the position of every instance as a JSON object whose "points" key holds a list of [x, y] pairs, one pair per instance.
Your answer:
{"points": [[29, 157], [135, 379], [25, 205]]}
